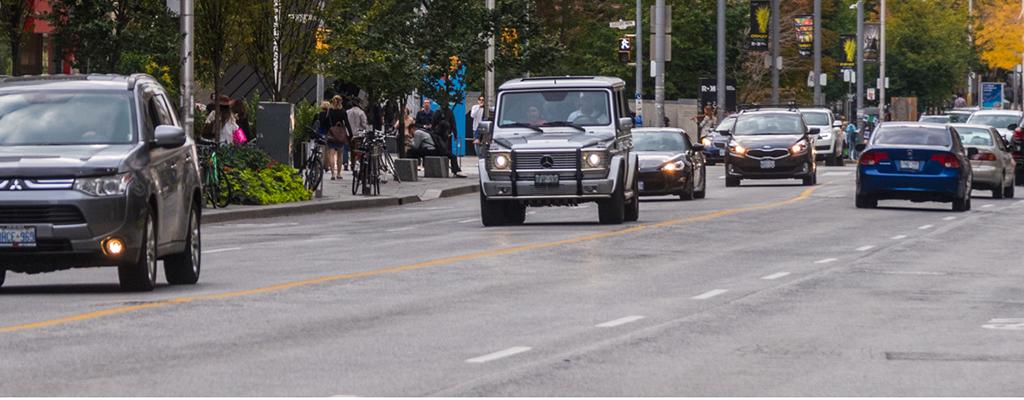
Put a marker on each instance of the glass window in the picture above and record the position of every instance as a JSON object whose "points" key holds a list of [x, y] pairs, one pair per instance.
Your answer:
{"points": [[769, 124], [975, 136], [959, 117], [58, 118], [816, 118], [938, 119], [913, 136], [726, 124], [658, 141], [584, 108], [995, 121]]}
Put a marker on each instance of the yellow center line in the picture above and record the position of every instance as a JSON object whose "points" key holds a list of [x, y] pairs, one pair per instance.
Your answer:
{"points": [[403, 268]]}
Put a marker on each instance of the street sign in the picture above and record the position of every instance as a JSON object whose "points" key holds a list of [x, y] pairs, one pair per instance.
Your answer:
{"points": [[871, 94], [622, 25], [992, 95], [810, 79]]}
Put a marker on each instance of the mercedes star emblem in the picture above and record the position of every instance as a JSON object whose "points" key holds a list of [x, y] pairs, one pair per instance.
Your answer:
{"points": [[547, 161]]}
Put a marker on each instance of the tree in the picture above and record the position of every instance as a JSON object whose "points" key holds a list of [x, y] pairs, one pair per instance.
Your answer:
{"points": [[280, 40], [1000, 34], [443, 45], [929, 51], [13, 14], [217, 35]]}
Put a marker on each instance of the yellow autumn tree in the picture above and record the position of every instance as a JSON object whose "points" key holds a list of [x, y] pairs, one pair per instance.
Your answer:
{"points": [[999, 34]]}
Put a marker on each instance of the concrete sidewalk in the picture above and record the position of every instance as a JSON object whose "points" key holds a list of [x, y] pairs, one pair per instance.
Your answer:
{"points": [[337, 195]]}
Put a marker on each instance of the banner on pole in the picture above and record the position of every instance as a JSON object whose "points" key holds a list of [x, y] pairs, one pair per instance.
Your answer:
{"points": [[847, 52], [872, 38], [760, 17], [992, 95], [709, 93], [803, 26]]}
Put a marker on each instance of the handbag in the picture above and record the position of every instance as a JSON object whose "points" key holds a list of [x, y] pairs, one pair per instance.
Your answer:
{"points": [[239, 137], [338, 132]]}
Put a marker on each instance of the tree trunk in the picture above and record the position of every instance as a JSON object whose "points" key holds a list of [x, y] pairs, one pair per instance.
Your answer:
{"points": [[15, 42], [401, 127]]}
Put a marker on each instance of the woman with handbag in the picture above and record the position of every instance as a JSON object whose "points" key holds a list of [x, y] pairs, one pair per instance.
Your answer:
{"points": [[338, 139]]}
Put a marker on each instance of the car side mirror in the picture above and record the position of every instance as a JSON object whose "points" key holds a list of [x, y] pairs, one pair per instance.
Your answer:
{"points": [[972, 151], [626, 123], [1012, 127], [169, 136], [698, 147], [814, 131], [860, 147]]}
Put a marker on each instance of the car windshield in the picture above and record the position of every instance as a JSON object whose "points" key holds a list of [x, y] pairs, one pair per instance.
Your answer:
{"points": [[940, 119], [958, 117], [994, 120], [816, 118], [577, 107], [49, 118], [726, 124], [975, 136], [918, 136], [658, 141], [769, 124]]}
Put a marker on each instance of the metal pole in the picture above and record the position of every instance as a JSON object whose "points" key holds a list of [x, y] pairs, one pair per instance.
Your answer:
{"points": [[881, 65], [489, 75], [775, 51], [277, 49], [817, 53], [720, 85], [659, 64], [638, 95], [970, 39], [188, 64], [860, 63]]}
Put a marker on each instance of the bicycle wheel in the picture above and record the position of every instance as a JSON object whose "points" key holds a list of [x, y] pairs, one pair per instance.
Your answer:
{"points": [[223, 197], [314, 174], [356, 177], [210, 187], [374, 181]]}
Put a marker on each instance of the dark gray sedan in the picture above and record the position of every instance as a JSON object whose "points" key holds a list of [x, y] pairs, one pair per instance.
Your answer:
{"points": [[669, 163], [97, 171]]}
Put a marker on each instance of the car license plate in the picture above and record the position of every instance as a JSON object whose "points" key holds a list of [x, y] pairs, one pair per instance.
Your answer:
{"points": [[545, 180], [767, 164], [908, 165], [16, 236]]}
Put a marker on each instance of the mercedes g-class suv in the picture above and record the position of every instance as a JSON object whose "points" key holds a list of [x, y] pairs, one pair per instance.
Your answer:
{"points": [[559, 141]]}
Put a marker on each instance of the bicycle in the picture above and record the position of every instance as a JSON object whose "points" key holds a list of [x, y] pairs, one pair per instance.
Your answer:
{"points": [[366, 177], [387, 163], [216, 188], [313, 167]]}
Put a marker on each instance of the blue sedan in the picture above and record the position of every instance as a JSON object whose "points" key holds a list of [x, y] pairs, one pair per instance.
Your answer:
{"points": [[917, 162]]}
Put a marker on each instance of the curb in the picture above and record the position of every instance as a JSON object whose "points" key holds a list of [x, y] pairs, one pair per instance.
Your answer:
{"points": [[309, 207]]}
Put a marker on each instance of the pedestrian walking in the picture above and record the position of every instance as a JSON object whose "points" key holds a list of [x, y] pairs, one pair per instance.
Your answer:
{"points": [[960, 101], [338, 114], [221, 122], [706, 121], [359, 124], [477, 115], [333, 125], [851, 139], [443, 122]]}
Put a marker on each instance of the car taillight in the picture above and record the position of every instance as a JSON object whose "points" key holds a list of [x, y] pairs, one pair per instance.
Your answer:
{"points": [[873, 157], [946, 160], [984, 156], [1018, 135]]}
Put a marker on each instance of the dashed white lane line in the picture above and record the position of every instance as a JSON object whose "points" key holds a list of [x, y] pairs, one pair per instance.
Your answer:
{"points": [[775, 276], [402, 229], [466, 221], [721, 177], [865, 248], [838, 173], [923, 227], [709, 294], [511, 351], [531, 212], [215, 251], [988, 206], [949, 218], [826, 261], [899, 237], [620, 321]]}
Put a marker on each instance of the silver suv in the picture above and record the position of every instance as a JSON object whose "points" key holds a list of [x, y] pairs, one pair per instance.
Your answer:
{"points": [[830, 142], [559, 141]]}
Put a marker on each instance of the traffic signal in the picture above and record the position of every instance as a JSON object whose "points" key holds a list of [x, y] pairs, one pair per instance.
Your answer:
{"points": [[625, 46]]}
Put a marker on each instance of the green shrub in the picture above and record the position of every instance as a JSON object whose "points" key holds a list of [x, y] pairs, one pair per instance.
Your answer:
{"points": [[305, 115], [244, 157], [274, 185]]}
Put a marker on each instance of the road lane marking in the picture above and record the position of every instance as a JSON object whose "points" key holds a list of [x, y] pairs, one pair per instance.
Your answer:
{"points": [[899, 237], [949, 218], [709, 294], [466, 221], [511, 351], [775, 276], [1010, 324], [988, 205], [721, 177], [215, 251], [847, 173], [923, 227], [826, 261], [501, 251], [620, 321], [403, 229], [865, 248]]}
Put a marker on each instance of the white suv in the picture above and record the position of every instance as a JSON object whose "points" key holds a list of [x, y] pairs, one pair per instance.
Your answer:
{"points": [[830, 143]]}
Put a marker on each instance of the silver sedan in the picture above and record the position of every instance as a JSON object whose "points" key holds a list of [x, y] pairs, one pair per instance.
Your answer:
{"points": [[993, 165]]}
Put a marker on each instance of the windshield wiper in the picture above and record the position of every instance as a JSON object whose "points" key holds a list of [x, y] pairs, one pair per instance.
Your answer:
{"points": [[565, 124], [522, 125]]}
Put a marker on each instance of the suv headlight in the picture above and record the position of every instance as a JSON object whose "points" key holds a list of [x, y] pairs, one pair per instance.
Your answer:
{"points": [[103, 186], [595, 159], [799, 148], [501, 162]]}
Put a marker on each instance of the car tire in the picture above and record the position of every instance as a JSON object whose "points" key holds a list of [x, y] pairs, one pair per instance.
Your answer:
{"points": [[184, 268], [703, 192], [633, 208], [1019, 178], [515, 213], [840, 161], [140, 275], [3, 276], [732, 181], [1009, 191], [811, 180], [962, 204], [613, 211], [997, 192], [864, 201], [687, 193], [492, 213]]}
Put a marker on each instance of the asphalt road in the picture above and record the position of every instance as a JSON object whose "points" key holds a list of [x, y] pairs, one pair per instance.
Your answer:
{"points": [[770, 289]]}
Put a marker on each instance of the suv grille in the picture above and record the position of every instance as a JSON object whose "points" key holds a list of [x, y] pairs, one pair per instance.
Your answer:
{"points": [[563, 160], [768, 153], [57, 215]]}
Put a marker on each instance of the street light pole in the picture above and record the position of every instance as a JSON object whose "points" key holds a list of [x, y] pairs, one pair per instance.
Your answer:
{"points": [[638, 95], [860, 63], [775, 51], [188, 64], [817, 53], [489, 74], [659, 64], [720, 85], [881, 64]]}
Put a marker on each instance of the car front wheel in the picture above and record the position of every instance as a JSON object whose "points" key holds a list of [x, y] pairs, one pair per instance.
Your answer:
{"points": [[140, 275], [183, 268], [3, 276], [613, 210]]}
